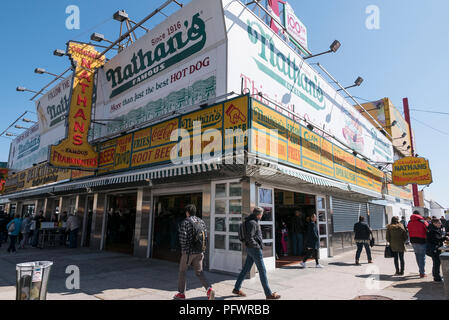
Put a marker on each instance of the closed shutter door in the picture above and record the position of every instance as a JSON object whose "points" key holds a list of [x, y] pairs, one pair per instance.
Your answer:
{"points": [[377, 216], [346, 213]]}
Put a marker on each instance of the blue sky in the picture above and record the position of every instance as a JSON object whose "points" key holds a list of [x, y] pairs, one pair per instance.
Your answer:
{"points": [[406, 57]]}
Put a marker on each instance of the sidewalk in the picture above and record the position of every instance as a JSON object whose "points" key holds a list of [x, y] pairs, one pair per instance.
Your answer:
{"points": [[111, 276]]}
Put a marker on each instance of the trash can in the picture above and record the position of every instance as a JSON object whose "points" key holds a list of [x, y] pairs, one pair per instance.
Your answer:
{"points": [[32, 280], [444, 258]]}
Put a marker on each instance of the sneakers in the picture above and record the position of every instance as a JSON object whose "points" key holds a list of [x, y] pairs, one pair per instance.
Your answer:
{"points": [[273, 296], [240, 293], [370, 261], [302, 265], [357, 263], [319, 266], [210, 294], [422, 275], [179, 296]]}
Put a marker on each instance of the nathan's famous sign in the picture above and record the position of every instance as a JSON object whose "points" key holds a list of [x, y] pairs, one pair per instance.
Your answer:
{"points": [[75, 151], [411, 170], [188, 40]]}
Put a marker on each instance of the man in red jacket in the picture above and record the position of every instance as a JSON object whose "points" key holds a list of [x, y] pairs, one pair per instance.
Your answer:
{"points": [[417, 229]]}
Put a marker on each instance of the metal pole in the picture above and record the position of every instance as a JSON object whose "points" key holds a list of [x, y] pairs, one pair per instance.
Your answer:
{"points": [[407, 118], [342, 88], [122, 37]]}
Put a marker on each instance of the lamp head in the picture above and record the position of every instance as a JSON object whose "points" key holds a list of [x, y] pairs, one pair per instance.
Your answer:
{"points": [[358, 81], [120, 16], [335, 46], [59, 53], [97, 37]]}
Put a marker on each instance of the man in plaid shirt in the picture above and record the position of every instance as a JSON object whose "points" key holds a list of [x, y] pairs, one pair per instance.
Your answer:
{"points": [[189, 255]]}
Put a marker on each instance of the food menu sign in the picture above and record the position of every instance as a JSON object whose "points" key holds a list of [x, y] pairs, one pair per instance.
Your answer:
{"points": [[154, 145], [300, 147]]}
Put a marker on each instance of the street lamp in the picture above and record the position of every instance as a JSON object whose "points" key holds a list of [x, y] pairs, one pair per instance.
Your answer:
{"points": [[333, 48], [20, 127], [357, 83], [28, 120], [23, 89], [42, 71], [120, 16], [59, 53], [401, 137], [9, 134]]}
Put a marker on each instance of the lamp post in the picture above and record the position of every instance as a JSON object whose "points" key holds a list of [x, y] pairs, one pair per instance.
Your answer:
{"points": [[333, 48], [357, 83]]}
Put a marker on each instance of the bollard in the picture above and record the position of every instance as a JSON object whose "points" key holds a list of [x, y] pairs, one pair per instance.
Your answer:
{"points": [[444, 258]]}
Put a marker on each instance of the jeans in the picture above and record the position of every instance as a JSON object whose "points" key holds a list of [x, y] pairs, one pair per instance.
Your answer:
{"points": [[73, 237], [436, 267], [298, 244], [420, 254], [12, 244], [359, 251], [399, 256], [254, 255]]}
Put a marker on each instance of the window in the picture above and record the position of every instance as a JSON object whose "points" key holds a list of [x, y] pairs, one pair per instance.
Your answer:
{"points": [[227, 215], [267, 223]]}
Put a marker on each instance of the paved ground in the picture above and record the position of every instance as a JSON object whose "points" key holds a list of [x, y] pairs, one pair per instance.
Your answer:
{"points": [[108, 275]]}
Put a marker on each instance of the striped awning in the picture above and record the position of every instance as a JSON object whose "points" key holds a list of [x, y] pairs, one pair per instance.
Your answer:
{"points": [[145, 174], [313, 179]]}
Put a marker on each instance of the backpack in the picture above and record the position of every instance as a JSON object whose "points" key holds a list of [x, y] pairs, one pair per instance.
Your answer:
{"points": [[242, 231], [199, 236]]}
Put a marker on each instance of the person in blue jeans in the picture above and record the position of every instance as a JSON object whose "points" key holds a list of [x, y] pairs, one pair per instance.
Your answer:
{"points": [[417, 229], [297, 232], [254, 246]]}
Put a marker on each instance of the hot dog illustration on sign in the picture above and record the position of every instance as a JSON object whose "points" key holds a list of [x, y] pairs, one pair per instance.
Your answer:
{"points": [[75, 151]]}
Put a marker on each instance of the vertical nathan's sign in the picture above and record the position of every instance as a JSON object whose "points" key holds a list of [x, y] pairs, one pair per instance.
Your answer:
{"points": [[75, 151]]}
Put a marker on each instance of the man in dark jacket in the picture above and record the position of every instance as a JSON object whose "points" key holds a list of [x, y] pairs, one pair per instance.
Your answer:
{"points": [[191, 255], [297, 232], [254, 246], [435, 240], [312, 243], [417, 230], [362, 239], [3, 223]]}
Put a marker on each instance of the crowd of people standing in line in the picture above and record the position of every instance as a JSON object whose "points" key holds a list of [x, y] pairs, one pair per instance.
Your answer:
{"points": [[426, 235], [22, 231]]}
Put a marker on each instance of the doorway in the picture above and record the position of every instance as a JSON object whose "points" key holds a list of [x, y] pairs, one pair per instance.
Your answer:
{"points": [[88, 221], [169, 213], [286, 203], [120, 223]]}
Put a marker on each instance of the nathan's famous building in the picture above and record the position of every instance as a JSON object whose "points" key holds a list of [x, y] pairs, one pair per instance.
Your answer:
{"points": [[212, 107]]}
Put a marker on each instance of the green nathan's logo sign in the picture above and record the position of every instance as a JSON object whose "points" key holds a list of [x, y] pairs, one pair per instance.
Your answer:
{"points": [[144, 65], [283, 69]]}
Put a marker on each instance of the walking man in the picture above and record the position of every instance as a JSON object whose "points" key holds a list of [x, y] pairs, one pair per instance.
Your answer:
{"points": [[297, 231], [254, 246], [417, 229], [312, 243], [192, 239], [435, 240], [362, 239]]}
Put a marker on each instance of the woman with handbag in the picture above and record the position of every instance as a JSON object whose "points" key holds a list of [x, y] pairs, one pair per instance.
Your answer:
{"points": [[14, 227], [396, 237]]}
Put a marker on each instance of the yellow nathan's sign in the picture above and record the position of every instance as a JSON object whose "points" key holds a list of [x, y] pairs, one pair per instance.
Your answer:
{"points": [[75, 151], [276, 136], [412, 170]]}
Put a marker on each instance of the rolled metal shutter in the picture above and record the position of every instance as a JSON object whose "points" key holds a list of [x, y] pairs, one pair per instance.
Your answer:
{"points": [[346, 213], [377, 216]]}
